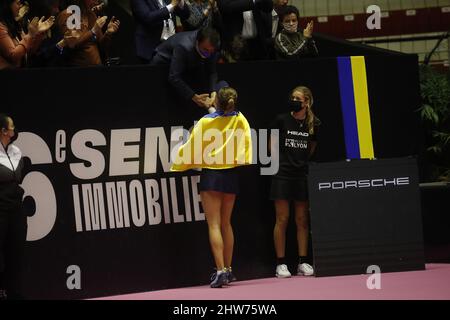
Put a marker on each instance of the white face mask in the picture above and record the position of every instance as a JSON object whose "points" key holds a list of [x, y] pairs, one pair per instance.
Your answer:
{"points": [[291, 28]]}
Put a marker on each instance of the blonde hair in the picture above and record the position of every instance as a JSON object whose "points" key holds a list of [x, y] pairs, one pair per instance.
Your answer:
{"points": [[227, 99], [310, 117]]}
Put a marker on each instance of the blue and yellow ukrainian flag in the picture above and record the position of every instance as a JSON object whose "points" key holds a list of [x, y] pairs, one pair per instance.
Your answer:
{"points": [[355, 107], [218, 141]]}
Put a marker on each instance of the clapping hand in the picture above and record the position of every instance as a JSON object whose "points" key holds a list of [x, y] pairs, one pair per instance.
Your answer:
{"points": [[101, 21], [24, 9], [38, 26], [212, 4], [309, 30], [113, 26]]}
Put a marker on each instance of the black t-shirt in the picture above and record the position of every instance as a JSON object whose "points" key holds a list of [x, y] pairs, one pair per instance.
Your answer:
{"points": [[295, 145]]}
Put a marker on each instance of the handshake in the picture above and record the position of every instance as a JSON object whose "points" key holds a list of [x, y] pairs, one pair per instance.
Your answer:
{"points": [[205, 100]]}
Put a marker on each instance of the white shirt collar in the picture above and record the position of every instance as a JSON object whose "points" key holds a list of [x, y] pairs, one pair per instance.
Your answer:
{"points": [[14, 154]]}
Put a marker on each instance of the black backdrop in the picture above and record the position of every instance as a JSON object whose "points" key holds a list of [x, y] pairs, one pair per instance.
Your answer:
{"points": [[174, 255]]}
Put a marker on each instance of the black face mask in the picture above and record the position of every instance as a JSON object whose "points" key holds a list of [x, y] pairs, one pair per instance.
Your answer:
{"points": [[15, 136], [295, 106]]}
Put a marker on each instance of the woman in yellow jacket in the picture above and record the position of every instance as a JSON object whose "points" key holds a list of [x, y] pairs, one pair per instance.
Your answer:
{"points": [[219, 143]]}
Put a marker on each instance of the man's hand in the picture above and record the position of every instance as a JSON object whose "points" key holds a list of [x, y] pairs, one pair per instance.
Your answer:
{"points": [[211, 101], [201, 100]]}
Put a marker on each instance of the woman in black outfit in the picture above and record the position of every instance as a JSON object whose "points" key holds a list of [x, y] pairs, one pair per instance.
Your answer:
{"points": [[13, 224], [298, 139]]}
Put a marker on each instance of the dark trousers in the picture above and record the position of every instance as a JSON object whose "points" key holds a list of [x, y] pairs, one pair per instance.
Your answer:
{"points": [[13, 232]]}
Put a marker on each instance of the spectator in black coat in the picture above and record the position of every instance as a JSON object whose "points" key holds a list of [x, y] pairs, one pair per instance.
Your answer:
{"points": [[250, 19], [155, 23]]}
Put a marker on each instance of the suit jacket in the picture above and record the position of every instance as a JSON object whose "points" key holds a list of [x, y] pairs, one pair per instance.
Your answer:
{"points": [[150, 22], [233, 19], [188, 71]]}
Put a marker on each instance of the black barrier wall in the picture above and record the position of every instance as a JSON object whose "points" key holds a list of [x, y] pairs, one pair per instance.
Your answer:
{"points": [[366, 214], [128, 225]]}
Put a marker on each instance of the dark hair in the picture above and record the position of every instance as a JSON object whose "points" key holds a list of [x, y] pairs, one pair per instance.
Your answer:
{"points": [[211, 34], [42, 8], [235, 50], [6, 17], [287, 10], [4, 120]]}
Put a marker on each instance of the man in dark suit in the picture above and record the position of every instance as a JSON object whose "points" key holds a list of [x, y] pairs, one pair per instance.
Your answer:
{"points": [[192, 57], [250, 19], [155, 23]]}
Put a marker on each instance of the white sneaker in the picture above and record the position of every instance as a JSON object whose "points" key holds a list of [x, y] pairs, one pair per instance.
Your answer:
{"points": [[282, 271], [305, 269]]}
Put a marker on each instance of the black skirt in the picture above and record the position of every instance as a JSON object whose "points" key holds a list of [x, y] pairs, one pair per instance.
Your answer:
{"points": [[289, 189], [224, 180]]}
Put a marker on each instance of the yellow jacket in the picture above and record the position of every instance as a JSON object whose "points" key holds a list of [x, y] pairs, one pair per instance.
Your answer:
{"points": [[218, 141]]}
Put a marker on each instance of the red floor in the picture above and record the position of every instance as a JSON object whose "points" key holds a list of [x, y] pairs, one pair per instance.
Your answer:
{"points": [[433, 283]]}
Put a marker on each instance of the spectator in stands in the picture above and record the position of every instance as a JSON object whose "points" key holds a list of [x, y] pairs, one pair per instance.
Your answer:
{"points": [[155, 23], [251, 19], [203, 13], [291, 43], [235, 51], [51, 52], [278, 6], [192, 57], [15, 44], [86, 43]]}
